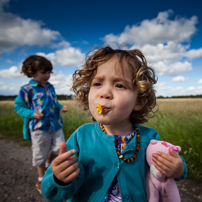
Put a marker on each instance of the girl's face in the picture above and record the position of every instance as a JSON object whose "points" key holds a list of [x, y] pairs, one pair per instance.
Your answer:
{"points": [[41, 77], [109, 90]]}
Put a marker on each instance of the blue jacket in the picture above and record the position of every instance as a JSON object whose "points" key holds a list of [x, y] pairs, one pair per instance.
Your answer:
{"points": [[27, 114], [42, 99], [99, 164]]}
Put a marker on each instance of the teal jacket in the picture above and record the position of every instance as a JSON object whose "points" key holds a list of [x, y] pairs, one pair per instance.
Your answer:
{"points": [[99, 164], [27, 114]]}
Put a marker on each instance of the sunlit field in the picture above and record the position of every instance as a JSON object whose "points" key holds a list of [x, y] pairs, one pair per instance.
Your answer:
{"points": [[178, 121]]}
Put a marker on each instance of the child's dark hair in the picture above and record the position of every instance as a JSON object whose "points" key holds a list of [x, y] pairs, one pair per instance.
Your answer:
{"points": [[34, 63], [142, 75]]}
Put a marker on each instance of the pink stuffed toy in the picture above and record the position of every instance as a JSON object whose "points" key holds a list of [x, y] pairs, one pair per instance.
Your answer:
{"points": [[160, 188]]}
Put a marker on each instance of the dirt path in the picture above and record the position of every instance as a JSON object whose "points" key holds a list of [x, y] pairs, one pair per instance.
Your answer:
{"points": [[18, 177]]}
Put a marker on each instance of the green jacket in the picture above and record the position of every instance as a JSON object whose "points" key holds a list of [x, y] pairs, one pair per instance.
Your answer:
{"points": [[99, 164]]}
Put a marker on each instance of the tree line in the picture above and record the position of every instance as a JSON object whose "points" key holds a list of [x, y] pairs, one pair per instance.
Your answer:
{"points": [[12, 97], [70, 97], [181, 96]]}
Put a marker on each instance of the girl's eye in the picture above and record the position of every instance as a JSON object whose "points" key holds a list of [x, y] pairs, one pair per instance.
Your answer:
{"points": [[97, 84], [120, 86]]}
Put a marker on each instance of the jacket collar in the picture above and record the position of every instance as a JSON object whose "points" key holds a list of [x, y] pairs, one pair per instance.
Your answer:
{"points": [[35, 84]]}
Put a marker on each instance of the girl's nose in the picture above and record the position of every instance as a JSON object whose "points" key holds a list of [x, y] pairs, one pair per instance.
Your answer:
{"points": [[106, 93]]}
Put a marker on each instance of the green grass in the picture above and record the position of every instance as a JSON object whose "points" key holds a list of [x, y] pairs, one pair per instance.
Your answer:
{"points": [[11, 123], [178, 121], [74, 118]]}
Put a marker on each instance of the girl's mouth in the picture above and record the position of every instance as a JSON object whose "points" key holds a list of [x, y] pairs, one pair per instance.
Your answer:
{"points": [[102, 109], [105, 109]]}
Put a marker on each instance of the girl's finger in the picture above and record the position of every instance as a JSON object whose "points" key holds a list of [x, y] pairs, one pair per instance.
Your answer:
{"points": [[64, 157], [71, 177]]}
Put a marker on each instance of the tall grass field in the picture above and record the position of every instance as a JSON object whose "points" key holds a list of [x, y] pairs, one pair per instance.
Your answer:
{"points": [[178, 121]]}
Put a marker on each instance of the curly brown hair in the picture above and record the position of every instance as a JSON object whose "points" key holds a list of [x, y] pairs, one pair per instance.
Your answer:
{"points": [[34, 63], [143, 79]]}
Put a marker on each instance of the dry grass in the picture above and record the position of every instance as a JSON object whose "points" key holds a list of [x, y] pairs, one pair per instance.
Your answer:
{"points": [[178, 121], [180, 105]]}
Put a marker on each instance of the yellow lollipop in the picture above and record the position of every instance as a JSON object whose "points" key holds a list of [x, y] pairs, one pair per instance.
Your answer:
{"points": [[99, 108]]}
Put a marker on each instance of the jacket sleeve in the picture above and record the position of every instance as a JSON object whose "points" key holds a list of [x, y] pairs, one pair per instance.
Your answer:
{"points": [[27, 114], [51, 190], [22, 108], [59, 105], [184, 175]]}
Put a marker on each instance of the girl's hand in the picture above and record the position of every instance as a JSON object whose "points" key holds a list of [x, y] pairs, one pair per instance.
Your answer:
{"points": [[65, 166], [64, 109], [169, 165], [38, 115]]}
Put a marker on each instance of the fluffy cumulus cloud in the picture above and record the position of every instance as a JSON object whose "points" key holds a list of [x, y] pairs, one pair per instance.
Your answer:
{"points": [[179, 79], [62, 83], [200, 81], [171, 69], [194, 53], [166, 58], [162, 40], [9, 88], [66, 57], [158, 30], [12, 72], [178, 90], [16, 31]]}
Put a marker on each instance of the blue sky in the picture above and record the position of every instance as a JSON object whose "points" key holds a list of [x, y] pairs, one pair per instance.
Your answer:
{"points": [[169, 33]]}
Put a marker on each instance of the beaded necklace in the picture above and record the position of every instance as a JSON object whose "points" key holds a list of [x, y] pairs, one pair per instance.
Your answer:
{"points": [[127, 160]]}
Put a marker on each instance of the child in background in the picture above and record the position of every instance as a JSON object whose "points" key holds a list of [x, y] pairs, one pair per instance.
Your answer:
{"points": [[106, 160], [38, 105]]}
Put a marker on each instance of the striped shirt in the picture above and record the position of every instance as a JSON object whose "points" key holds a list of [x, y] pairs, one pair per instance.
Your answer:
{"points": [[42, 99]]}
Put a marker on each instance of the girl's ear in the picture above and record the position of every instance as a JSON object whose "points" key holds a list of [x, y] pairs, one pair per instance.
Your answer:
{"points": [[140, 104], [138, 107]]}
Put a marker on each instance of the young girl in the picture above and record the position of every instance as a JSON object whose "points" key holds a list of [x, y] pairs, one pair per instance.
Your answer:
{"points": [[105, 160]]}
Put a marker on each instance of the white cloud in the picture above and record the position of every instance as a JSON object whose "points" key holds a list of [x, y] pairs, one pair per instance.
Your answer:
{"points": [[10, 87], [168, 90], [179, 79], [172, 69], [12, 72], [62, 83], [9, 61], [165, 58], [16, 31], [160, 84], [158, 30], [192, 90], [161, 41], [166, 53], [65, 57], [194, 53], [200, 81], [178, 90]]}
